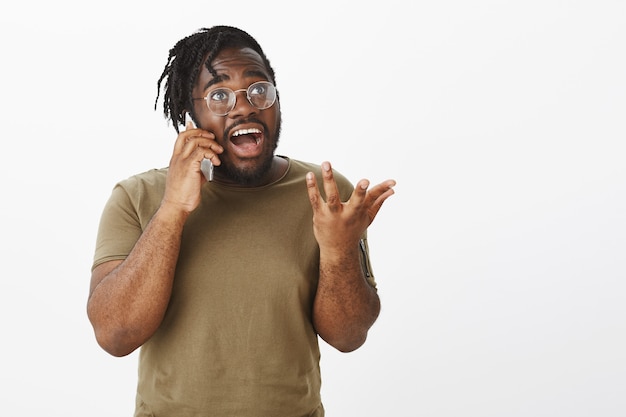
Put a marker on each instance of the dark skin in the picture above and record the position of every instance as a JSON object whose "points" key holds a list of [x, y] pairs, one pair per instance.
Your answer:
{"points": [[128, 299]]}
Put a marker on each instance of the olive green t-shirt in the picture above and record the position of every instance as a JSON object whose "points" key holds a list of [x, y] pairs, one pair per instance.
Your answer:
{"points": [[237, 338]]}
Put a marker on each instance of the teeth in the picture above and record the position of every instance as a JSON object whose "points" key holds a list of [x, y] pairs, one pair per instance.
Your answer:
{"points": [[246, 132]]}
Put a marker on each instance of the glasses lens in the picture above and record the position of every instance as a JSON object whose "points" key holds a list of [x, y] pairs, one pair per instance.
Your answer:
{"points": [[262, 94], [221, 101]]}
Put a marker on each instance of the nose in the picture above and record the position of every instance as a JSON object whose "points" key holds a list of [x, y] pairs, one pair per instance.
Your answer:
{"points": [[243, 107]]}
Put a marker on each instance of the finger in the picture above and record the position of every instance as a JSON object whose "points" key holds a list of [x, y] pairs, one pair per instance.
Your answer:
{"points": [[204, 143], [213, 148], [333, 200], [186, 135], [192, 149], [378, 195], [212, 156], [313, 191], [184, 138], [191, 133], [180, 142], [379, 189], [360, 192]]}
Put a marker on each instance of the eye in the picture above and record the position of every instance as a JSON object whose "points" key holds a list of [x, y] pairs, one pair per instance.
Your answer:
{"points": [[258, 89], [219, 95]]}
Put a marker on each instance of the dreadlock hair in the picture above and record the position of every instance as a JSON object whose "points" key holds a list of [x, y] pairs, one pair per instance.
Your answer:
{"points": [[184, 61]]}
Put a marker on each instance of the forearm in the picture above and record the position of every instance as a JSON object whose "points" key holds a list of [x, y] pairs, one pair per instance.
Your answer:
{"points": [[345, 306], [127, 303]]}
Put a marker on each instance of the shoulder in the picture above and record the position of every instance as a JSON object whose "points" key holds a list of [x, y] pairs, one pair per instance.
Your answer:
{"points": [[153, 179], [141, 191], [136, 198]]}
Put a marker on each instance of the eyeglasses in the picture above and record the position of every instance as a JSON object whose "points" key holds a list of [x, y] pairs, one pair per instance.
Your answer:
{"points": [[221, 101]]}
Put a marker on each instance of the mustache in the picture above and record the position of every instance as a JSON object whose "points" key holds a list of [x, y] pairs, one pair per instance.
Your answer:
{"points": [[235, 125]]}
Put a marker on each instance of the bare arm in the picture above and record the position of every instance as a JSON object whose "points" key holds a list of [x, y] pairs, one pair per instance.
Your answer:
{"points": [[345, 305], [128, 299]]}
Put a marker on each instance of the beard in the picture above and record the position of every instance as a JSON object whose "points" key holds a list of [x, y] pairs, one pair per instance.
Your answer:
{"points": [[256, 172]]}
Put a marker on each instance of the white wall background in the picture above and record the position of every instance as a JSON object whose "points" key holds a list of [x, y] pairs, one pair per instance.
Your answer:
{"points": [[500, 259]]}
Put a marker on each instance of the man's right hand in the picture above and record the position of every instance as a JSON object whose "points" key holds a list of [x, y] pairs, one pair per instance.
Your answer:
{"points": [[184, 177]]}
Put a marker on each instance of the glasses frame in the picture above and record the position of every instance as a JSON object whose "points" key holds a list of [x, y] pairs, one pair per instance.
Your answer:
{"points": [[234, 94]]}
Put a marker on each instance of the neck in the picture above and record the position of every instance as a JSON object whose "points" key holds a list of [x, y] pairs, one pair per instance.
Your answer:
{"points": [[276, 170]]}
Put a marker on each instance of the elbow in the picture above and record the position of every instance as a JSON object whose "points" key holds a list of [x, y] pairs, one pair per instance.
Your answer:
{"points": [[345, 330], [114, 343], [347, 346], [345, 335], [344, 342], [114, 340]]}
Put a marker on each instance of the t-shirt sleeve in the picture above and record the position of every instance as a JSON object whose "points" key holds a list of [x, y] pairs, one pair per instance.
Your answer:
{"points": [[126, 214], [119, 228]]}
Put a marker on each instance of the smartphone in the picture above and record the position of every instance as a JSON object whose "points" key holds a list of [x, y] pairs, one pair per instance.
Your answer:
{"points": [[206, 166]]}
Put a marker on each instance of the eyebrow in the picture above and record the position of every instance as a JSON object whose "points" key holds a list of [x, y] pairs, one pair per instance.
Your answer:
{"points": [[223, 77]]}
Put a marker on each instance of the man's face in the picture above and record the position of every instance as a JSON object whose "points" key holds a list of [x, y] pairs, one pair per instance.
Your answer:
{"points": [[248, 135]]}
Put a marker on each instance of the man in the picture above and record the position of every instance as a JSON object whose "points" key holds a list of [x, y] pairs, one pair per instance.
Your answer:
{"points": [[226, 284]]}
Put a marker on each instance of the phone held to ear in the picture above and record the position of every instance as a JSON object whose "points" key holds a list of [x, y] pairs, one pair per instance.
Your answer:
{"points": [[206, 166]]}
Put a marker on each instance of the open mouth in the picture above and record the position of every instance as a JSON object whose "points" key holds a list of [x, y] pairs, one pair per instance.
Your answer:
{"points": [[247, 140]]}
